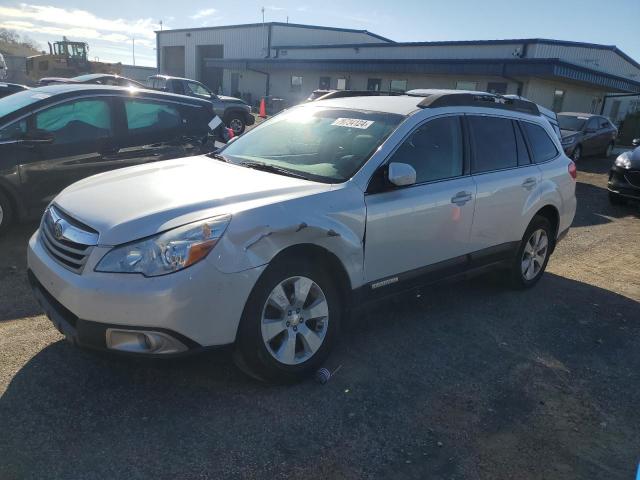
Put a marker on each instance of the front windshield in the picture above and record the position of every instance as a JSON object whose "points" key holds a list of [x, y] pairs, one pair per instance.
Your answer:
{"points": [[322, 144], [18, 100], [570, 122]]}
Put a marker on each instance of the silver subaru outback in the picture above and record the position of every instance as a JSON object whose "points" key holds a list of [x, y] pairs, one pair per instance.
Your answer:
{"points": [[268, 243]]}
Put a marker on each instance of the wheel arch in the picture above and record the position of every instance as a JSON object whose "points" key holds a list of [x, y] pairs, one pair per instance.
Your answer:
{"points": [[323, 256], [19, 211], [551, 213]]}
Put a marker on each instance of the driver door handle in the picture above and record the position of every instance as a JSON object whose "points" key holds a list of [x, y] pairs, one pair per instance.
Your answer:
{"points": [[461, 198]]}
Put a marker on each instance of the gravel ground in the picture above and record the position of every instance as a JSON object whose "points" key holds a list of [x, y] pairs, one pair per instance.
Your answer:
{"points": [[466, 380]]}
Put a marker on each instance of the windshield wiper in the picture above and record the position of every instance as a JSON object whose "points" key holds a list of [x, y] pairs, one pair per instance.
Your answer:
{"points": [[265, 167], [219, 156]]}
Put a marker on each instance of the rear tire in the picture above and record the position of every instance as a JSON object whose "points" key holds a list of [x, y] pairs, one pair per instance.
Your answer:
{"points": [[533, 253], [284, 334], [616, 199], [6, 212]]}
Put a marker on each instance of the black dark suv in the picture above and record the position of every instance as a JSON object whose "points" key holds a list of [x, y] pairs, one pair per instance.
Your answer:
{"points": [[52, 136], [235, 113]]}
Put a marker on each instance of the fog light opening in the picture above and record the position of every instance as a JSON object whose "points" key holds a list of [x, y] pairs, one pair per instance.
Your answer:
{"points": [[144, 342]]}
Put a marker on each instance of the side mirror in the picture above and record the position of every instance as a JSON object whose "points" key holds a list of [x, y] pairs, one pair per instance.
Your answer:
{"points": [[401, 174], [635, 142]]}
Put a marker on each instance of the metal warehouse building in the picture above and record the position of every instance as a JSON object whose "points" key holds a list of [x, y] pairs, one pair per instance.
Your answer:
{"points": [[289, 61]]}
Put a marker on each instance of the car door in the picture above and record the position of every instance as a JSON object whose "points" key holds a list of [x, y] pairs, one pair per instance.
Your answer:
{"points": [[591, 142], [506, 182], [413, 227], [148, 130], [65, 142]]}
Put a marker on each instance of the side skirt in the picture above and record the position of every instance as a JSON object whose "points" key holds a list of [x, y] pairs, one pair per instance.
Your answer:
{"points": [[453, 269]]}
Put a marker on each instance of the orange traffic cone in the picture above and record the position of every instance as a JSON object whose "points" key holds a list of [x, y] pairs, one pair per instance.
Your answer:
{"points": [[263, 109]]}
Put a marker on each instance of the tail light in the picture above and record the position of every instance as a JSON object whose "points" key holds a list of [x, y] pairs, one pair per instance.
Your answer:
{"points": [[573, 171]]}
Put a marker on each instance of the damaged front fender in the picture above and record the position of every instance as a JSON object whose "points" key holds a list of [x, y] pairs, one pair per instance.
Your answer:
{"points": [[333, 220]]}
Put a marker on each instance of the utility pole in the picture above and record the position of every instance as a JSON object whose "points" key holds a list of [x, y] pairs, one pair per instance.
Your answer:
{"points": [[160, 25], [133, 51], [262, 14]]}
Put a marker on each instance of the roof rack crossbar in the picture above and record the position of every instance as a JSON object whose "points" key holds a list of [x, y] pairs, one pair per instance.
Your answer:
{"points": [[474, 99]]}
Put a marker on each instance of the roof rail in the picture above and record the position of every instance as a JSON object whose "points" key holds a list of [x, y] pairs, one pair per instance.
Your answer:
{"points": [[460, 98]]}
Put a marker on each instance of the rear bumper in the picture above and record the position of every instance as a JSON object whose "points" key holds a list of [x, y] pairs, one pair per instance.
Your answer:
{"points": [[624, 182]]}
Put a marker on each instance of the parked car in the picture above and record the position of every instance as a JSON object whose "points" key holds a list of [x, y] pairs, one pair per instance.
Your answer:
{"points": [[53, 136], [586, 134], [551, 116], [624, 176], [7, 89], [235, 113], [271, 241], [94, 79]]}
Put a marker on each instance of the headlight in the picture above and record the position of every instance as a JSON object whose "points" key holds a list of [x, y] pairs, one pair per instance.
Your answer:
{"points": [[167, 252], [569, 140], [624, 160]]}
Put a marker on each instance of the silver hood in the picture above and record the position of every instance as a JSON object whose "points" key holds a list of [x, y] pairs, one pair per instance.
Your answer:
{"points": [[132, 203]]}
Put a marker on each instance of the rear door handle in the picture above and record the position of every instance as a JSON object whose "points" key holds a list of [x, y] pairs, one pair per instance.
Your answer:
{"points": [[530, 183], [461, 198]]}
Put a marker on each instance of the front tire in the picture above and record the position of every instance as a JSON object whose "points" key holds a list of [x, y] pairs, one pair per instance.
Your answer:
{"points": [[290, 322], [236, 122], [6, 212], [577, 154], [609, 151], [533, 253]]}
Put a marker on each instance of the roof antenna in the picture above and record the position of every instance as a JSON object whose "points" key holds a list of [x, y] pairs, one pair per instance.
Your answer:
{"points": [[262, 14]]}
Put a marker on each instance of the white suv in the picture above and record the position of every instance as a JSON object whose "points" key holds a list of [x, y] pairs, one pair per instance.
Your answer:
{"points": [[268, 243]]}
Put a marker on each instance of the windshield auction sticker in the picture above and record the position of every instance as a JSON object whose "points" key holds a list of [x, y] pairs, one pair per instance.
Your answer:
{"points": [[353, 123]]}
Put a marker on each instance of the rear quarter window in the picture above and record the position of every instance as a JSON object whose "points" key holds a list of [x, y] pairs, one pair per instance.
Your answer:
{"points": [[542, 147]]}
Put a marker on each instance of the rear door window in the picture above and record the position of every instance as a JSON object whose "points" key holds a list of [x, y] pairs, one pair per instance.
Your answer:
{"points": [[493, 142], [147, 115], [76, 121], [542, 147]]}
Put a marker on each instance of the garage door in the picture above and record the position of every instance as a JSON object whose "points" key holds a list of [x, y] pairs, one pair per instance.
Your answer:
{"points": [[173, 61]]}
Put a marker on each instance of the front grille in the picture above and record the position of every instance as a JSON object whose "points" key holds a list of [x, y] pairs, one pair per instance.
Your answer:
{"points": [[633, 178], [66, 240]]}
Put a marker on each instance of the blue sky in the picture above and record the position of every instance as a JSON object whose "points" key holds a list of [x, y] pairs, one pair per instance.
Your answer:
{"points": [[109, 25]]}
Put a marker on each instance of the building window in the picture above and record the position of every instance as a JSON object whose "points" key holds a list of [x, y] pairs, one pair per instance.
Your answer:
{"points": [[497, 87], [558, 99], [464, 85], [325, 83], [341, 84], [296, 83], [374, 84], [398, 86]]}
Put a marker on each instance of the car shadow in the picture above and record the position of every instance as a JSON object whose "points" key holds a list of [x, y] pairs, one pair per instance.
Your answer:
{"points": [[431, 385]]}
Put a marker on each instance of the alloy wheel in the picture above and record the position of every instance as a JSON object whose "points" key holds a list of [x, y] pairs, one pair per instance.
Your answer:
{"points": [[294, 322], [236, 125], [1, 215], [534, 254]]}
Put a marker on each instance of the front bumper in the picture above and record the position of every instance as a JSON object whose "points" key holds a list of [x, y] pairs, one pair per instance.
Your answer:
{"points": [[199, 306], [250, 119], [624, 182]]}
